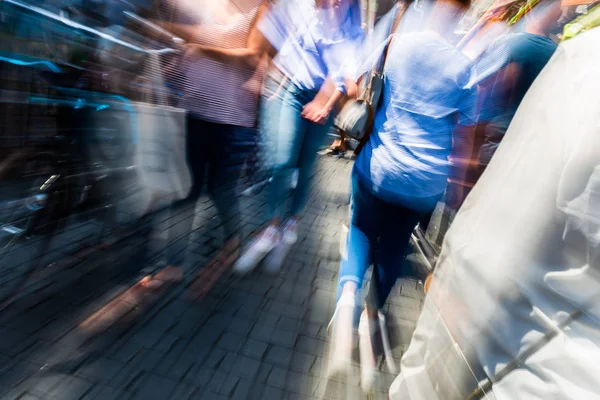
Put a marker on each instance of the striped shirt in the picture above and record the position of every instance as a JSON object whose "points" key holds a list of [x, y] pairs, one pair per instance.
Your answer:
{"points": [[225, 93]]}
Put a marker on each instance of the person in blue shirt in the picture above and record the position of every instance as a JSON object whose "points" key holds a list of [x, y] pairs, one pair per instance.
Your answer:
{"points": [[401, 173], [309, 41], [508, 68]]}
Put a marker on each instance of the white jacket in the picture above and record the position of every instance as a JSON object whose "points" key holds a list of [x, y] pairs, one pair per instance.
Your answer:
{"points": [[522, 255]]}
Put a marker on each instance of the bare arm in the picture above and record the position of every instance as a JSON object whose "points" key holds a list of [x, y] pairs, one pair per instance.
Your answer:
{"points": [[250, 55]]}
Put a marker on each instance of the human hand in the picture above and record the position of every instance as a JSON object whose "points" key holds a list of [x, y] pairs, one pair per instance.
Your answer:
{"points": [[193, 50], [315, 112]]}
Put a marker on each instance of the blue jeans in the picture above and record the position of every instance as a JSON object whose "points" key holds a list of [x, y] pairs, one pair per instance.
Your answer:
{"points": [[292, 141], [379, 234]]}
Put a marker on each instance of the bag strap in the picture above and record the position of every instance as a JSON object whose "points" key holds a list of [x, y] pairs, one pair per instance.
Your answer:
{"points": [[371, 116], [393, 28]]}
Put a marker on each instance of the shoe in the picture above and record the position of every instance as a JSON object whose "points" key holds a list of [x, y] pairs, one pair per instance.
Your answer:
{"points": [[289, 232], [257, 251], [367, 334], [288, 237], [368, 330], [342, 336]]}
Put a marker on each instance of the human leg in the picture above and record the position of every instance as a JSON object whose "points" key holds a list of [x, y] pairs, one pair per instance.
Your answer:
{"points": [[397, 225], [361, 239], [284, 129], [184, 210]]}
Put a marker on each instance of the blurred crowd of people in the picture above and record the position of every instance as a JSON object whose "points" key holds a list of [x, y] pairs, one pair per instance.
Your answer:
{"points": [[281, 70], [278, 72]]}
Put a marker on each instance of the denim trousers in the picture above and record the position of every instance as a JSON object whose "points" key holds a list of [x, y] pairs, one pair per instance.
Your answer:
{"points": [[378, 235], [215, 156], [292, 142]]}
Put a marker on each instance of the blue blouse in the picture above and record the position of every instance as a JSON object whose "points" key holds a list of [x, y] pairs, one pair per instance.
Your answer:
{"points": [[311, 46]]}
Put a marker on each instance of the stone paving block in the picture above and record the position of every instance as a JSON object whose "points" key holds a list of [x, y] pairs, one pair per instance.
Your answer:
{"points": [[184, 392], [245, 367], [217, 381], [273, 393], [215, 357], [285, 309], [101, 370], [262, 333], [229, 385], [280, 356], [230, 342], [240, 326], [299, 383], [254, 349], [243, 389], [203, 340], [71, 388], [198, 376], [283, 337], [125, 352], [411, 288], [102, 392], [310, 345], [263, 372], [302, 362], [288, 324], [277, 378], [320, 314], [256, 393], [153, 387]]}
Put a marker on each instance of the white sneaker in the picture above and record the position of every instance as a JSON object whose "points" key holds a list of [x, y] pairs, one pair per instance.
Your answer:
{"points": [[342, 335], [289, 233], [258, 249], [367, 333], [289, 237], [275, 259], [387, 348]]}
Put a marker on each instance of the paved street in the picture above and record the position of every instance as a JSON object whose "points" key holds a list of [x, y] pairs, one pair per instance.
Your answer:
{"points": [[257, 337]]}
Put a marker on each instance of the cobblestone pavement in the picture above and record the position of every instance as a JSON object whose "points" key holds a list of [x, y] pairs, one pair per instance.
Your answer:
{"points": [[257, 337]]}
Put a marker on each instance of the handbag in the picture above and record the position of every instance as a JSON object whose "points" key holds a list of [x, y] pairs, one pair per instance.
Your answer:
{"points": [[355, 119]]}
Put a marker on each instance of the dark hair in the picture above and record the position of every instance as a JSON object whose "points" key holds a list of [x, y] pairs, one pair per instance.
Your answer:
{"points": [[464, 3]]}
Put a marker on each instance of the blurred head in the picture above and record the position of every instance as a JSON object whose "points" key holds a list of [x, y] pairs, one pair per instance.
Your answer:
{"points": [[544, 17], [445, 15], [339, 10]]}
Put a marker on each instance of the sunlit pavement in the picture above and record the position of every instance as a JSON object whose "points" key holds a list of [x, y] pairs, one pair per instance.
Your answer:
{"points": [[256, 337]]}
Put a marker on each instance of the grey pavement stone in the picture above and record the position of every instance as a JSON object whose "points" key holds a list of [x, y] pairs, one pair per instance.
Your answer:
{"points": [[273, 393], [185, 392], [229, 385], [288, 324], [101, 392], [198, 376], [154, 387], [302, 362], [310, 345], [255, 349], [277, 378], [101, 370], [283, 337], [243, 389], [263, 372], [230, 342], [262, 333], [71, 388], [280, 356], [245, 367]]}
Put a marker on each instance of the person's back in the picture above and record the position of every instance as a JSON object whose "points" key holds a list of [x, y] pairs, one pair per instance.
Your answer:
{"points": [[406, 159]]}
